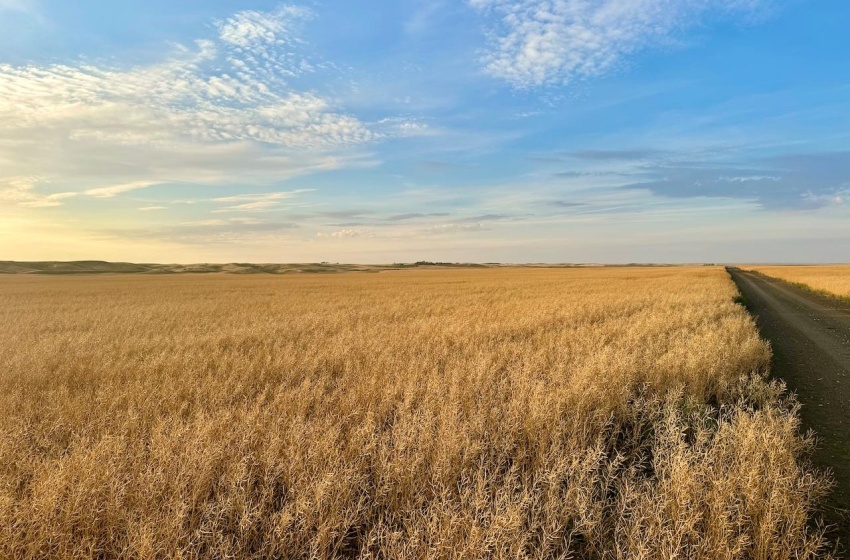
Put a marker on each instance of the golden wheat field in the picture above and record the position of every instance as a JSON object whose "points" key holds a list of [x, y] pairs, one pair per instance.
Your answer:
{"points": [[496, 413], [834, 280]]}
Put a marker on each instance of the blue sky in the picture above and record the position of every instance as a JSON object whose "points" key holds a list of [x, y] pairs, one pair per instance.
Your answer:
{"points": [[476, 130]]}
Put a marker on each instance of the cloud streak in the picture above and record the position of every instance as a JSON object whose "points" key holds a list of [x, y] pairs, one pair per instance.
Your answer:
{"points": [[257, 202], [228, 231], [806, 181], [115, 190]]}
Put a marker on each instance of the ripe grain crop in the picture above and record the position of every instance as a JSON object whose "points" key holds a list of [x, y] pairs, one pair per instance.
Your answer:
{"points": [[833, 280], [500, 413]]}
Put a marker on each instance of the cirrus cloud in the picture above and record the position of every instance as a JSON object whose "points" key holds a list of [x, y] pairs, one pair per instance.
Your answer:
{"points": [[220, 109], [547, 42]]}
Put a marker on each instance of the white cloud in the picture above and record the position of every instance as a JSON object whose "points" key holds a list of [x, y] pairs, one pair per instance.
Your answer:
{"points": [[152, 208], [344, 233], [219, 110], [545, 42], [115, 190], [251, 28], [257, 202], [404, 127], [815, 200], [213, 223], [22, 191], [262, 197], [260, 205], [749, 178]]}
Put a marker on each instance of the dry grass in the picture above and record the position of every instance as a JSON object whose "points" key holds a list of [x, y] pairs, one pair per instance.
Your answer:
{"points": [[598, 413], [834, 280]]}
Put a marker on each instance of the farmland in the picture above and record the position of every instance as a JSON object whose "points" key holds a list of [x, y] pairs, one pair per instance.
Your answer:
{"points": [[833, 280], [499, 413]]}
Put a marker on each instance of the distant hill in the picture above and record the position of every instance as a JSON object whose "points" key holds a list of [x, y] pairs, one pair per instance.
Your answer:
{"points": [[75, 267], [103, 267]]}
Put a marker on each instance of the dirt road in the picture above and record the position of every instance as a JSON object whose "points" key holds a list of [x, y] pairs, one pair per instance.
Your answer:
{"points": [[810, 336]]}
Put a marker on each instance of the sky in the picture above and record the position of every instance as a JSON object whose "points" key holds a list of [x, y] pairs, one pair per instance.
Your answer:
{"points": [[384, 131]]}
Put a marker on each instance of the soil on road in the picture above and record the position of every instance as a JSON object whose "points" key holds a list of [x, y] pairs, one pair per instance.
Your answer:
{"points": [[810, 337]]}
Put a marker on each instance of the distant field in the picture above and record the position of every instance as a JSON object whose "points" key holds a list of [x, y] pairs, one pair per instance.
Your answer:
{"points": [[493, 413], [834, 280]]}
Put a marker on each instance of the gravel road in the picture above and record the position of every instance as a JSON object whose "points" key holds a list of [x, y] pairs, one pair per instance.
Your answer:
{"points": [[810, 337]]}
